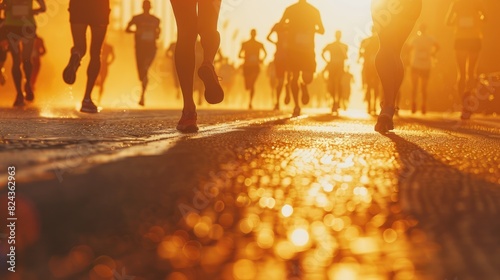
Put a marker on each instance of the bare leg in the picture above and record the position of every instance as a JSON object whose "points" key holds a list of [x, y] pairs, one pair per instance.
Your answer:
{"points": [[414, 92], [98, 34], [471, 70], [186, 19], [461, 58], [425, 82], [208, 16]]}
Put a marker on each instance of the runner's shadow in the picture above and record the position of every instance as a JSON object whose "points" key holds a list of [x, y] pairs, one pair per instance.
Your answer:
{"points": [[457, 210]]}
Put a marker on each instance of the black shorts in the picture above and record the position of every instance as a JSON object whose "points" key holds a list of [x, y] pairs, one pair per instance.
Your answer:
{"points": [[89, 12], [468, 45]]}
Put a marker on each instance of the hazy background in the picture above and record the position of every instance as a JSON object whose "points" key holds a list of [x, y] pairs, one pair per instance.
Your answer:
{"points": [[237, 18]]}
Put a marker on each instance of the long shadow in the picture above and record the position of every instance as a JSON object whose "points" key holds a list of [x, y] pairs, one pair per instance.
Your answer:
{"points": [[465, 127], [458, 211]]}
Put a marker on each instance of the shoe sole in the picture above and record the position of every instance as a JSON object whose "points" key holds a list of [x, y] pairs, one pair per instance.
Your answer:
{"points": [[216, 95], [187, 129], [89, 111], [69, 73]]}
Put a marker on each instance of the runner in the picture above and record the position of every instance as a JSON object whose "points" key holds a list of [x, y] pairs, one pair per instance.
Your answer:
{"points": [[107, 58], [392, 35], [251, 53], [467, 16], [170, 54], [147, 31], [303, 21], [336, 65], [82, 15], [20, 27], [195, 17], [371, 82], [280, 61], [38, 51], [422, 48]]}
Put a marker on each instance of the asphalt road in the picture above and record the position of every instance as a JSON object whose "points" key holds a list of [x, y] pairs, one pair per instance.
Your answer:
{"points": [[254, 195]]}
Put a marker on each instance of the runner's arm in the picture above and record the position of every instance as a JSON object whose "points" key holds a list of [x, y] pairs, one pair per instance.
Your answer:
{"points": [[320, 28], [129, 26], [42, 8], [265, 53], [270, 34], [451, 17]]}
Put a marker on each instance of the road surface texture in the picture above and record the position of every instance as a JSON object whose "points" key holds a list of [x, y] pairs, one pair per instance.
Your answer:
{"points": [[254, 195]]}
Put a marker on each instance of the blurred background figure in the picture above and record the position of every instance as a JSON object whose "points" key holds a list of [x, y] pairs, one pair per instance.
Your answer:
{"points": [[303, 21], [4, 47], [392, 36], [335, 64], [39, 50], [371, 83], [20, 26], [170, 54], [280, 60], [250, 52], [346, 88], [82, 15], [467, 17], [423, 49], [107, 58], [227, 72], [147, 31]]}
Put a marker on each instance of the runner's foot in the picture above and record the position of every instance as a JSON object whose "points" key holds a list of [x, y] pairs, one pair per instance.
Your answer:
{"points": [[187, 123], [213, 91], [89, 107], [69, 74]]}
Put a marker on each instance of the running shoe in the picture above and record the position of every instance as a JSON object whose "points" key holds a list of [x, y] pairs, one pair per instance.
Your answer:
{"points": [[141, 102], [287, 95], [305, 95], [296, 112], [466, 114], [69, 74], [384, 124], [3, 80], [214, 93], [187, 123], [89, 107], [29, 92], [19, 102]]}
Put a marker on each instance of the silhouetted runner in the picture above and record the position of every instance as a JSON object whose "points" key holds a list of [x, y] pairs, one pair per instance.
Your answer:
{"points": [[147, 31], [280, 60], [251, 53], [336, 64], [195, 17], [303, 21], [392, 34], [371, 82], [422, 48], [107, 58], [467, 16], [82, 15], [39, 50], [4, 47], [20, 27], [170, 54]]}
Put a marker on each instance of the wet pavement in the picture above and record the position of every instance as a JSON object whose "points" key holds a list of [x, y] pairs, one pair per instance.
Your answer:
{"points": [[254, 195]]}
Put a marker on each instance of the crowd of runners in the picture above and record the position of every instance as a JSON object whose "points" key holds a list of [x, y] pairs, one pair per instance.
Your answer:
{"points": [[293, 67]]}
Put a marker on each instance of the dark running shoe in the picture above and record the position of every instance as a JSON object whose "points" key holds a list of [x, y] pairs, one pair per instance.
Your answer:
{"points": [[384, 124], [69, 73], [89, 107], [19, 102], [187, 123], [29, 92], [213, 91], [296, 112], [305, 95]]}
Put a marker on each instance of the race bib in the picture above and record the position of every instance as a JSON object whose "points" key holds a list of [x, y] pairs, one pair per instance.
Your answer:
{"points": [[21, 10], [466, 22], [148, 35]]}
